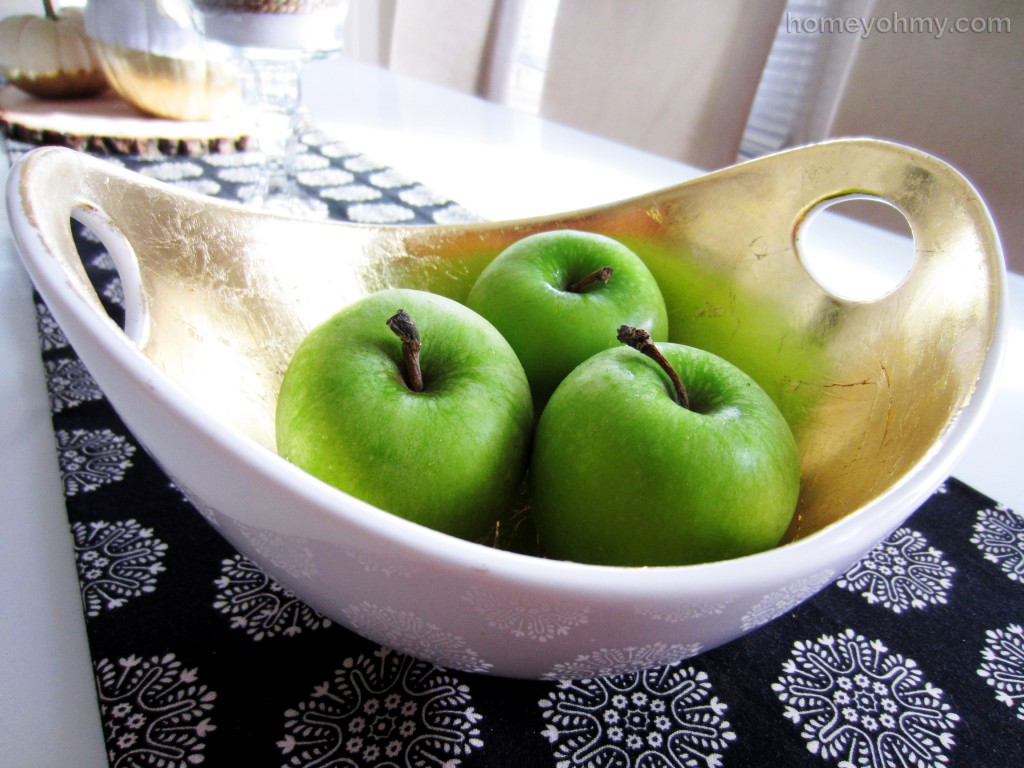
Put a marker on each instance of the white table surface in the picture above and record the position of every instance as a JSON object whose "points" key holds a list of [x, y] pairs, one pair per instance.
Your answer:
{"points": [[497, 163]]}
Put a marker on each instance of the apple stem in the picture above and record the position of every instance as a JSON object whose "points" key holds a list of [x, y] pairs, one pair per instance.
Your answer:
{"points": [[640, 340], [405, 329], [49, 10], [603, 275]]}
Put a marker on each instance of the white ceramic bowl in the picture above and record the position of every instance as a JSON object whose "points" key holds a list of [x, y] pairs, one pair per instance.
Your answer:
{"points": [[882, 395]]}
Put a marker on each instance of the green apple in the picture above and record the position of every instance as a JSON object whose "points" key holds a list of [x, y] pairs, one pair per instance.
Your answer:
{"points": [[558, 297], [669, 457], [425, 412]]}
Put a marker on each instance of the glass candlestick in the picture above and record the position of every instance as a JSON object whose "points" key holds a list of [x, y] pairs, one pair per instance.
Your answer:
{"points": [[274, 40]]}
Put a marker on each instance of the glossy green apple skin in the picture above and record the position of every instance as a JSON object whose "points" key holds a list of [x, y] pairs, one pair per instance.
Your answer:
{"points": [[450, 457], [624, 475], [524, 294]]}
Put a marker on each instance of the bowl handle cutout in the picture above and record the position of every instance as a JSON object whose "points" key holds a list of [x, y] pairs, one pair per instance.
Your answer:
{"points": [[851, 262], [136, 318]]}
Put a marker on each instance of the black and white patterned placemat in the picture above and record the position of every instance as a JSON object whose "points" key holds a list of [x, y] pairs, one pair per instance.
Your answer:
{"points": [[913, 657]]}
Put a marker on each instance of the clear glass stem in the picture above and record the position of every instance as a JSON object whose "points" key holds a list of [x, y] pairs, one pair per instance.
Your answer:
{"points": [[273, 86]]}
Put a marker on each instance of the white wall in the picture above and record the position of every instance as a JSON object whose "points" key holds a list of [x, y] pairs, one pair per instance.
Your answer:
{"points": [[34, 7]]}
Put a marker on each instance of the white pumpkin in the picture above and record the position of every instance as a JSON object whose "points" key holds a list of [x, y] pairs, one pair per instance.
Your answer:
{"points": [[154, 58], [163, 27], [50, 56]]}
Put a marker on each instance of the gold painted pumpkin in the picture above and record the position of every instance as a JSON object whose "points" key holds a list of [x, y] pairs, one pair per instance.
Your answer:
{"points": [[153, 58], [50, 56]]}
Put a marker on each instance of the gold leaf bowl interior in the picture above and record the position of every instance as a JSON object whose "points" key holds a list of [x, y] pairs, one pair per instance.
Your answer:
{"points": [[881, 395]]}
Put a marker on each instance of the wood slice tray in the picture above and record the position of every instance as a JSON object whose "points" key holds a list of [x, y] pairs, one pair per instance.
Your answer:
{"points": [[107, 124]]}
